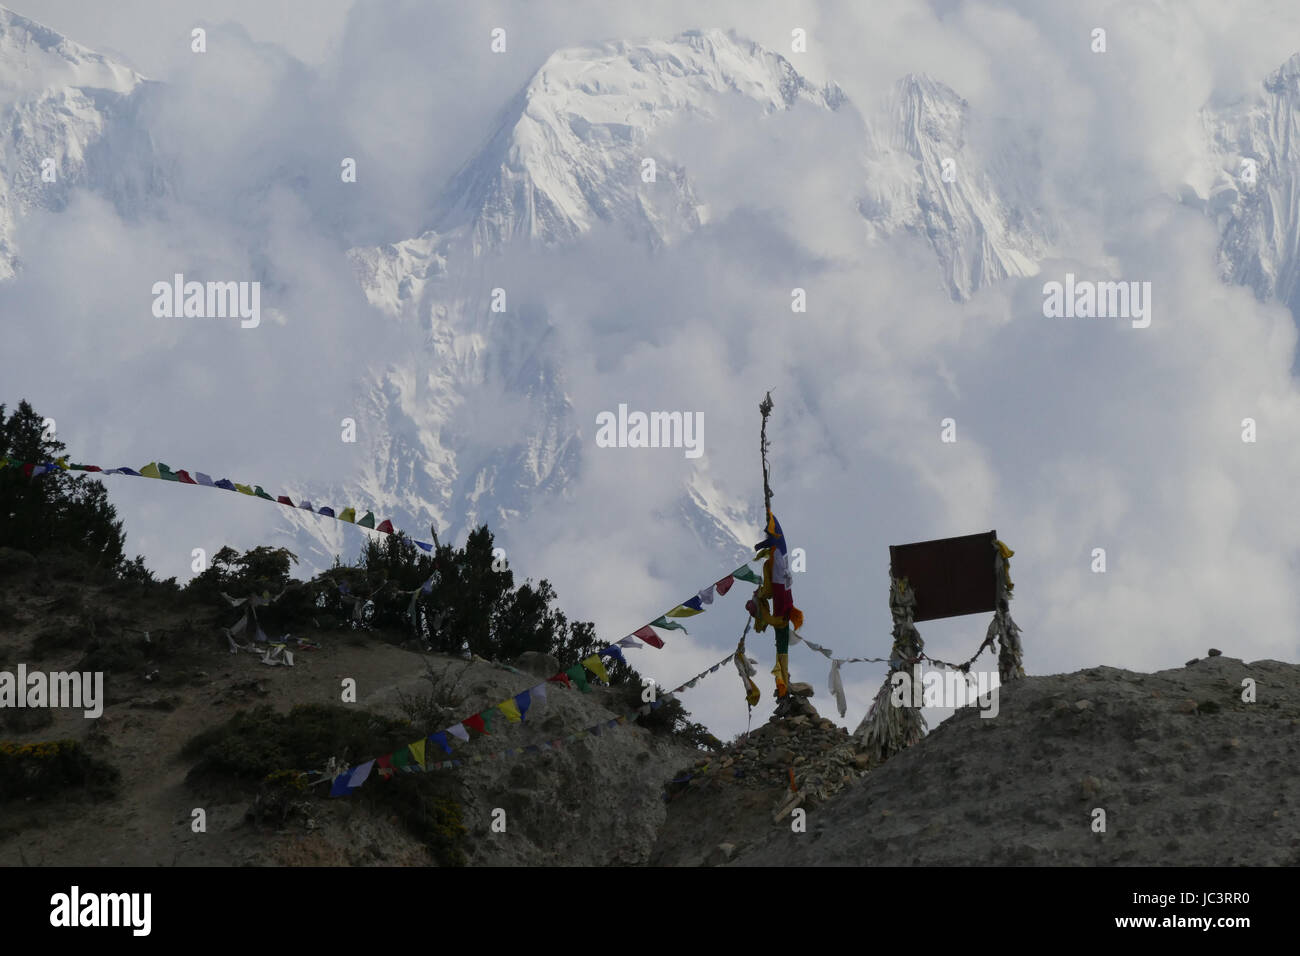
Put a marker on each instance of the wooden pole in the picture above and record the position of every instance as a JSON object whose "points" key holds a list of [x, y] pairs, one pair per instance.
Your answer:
{"points": [[765, 407]]}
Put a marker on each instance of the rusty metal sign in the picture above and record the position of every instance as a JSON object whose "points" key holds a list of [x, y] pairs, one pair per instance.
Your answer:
{"points": [[950, 576]]}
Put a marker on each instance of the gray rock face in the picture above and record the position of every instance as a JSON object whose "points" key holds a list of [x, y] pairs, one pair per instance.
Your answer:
{"points": [[537, 663], [1186, 772]]}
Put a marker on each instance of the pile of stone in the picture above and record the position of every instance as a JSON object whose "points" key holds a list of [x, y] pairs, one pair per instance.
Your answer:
{"points": [[797, 750]]}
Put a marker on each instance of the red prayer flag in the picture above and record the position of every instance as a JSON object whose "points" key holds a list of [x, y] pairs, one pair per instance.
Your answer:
{"points": [[284, 500], [386, 526], [648, 635], [475, 723], [723, 586], [560, 678], [385, 765], [183, 476]]}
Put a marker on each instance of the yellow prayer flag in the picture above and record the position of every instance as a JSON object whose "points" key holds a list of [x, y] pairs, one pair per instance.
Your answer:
{"points": [[243, 489], [417, 751], [593, 664], [150, 470], [510, 709], [348, 514], [682, 610]]}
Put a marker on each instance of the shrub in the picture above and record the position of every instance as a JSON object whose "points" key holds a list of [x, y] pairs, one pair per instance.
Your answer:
{"points": [[46, 769]]}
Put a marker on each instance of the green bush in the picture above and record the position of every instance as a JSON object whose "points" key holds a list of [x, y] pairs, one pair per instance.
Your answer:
{"points": [[44, 770], [259, 745]]}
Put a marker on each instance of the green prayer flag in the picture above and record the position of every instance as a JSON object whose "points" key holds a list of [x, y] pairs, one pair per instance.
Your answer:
{"points": [[166, 473], [487, 719], [368, 521], [667, 624], [262, 494], [402, 757], [579, 677], [743, 573]]}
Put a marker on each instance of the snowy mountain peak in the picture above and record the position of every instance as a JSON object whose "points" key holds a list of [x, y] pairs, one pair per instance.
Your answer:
{"points": [[570, 150], [1286, 78], [1251, 186], [34, 59]]}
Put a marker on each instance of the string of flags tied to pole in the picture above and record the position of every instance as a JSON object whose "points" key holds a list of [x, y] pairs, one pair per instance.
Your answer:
{"points": [[417, 757], [515, 708], [160, 471]]}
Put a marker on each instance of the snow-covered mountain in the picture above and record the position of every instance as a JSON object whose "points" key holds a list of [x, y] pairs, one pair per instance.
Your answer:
{"points": [[924, 176], [71, 109], [1252, 187], [566, 157]]}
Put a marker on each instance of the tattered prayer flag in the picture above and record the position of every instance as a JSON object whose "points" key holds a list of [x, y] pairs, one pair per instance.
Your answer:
{"points": [[648, 635], [128, 471], [458, 731], [203, 479], [184, 478], [560, 678], [440, 738], [284, 500], [579, 677], [225, 483], [706, 596], [243, 489], [597, 667], [613, 651], [326, 511], [150, 470], [743, 573], [261, 493], [368, 521], [475, 723], [386, 526], [360, 774], [166, 473], [511, 710], [667, 624], [417, 751], [631, 642], [523, 701], [348, 514]]}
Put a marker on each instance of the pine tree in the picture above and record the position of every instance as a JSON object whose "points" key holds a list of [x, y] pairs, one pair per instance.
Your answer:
{"points": [[55, 508]]}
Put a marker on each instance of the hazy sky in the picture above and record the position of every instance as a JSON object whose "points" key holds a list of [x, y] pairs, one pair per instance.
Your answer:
{"points": [[1072, 435]]}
